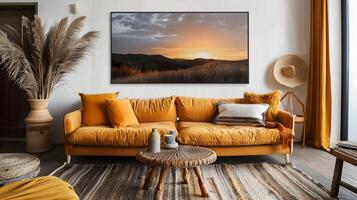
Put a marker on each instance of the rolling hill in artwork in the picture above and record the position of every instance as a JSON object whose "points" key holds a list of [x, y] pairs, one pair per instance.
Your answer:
{"points": [[141, 68]]}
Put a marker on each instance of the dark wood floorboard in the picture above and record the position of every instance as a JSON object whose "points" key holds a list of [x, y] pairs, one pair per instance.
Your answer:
{"points": [[316, 163]]}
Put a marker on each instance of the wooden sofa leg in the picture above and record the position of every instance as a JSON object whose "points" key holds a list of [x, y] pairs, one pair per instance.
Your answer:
{"points": [[68, 159], [287, 158]]}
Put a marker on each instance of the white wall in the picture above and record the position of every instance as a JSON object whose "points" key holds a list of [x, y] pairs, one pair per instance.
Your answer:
{"points": [[335, 62], [277, 27], [352, 129]]}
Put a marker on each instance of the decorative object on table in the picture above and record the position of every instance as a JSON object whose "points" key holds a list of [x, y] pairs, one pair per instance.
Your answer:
{"points": [[146, 47], [170, 140], [342, 154], [182, 157], [37, 63], [18, 166], [291, 71], [154, 141]]}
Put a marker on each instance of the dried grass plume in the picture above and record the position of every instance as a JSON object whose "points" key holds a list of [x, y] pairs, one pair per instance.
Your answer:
{"points": [[38, 61]]}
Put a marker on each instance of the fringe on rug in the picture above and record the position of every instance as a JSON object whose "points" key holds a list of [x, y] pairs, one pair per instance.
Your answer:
{"points": [[56, 170]]}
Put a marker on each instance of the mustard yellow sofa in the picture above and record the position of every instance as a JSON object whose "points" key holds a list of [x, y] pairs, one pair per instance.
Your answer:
{"points": [[190, 117]]}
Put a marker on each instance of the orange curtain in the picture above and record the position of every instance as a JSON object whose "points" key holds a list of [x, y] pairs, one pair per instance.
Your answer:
{"points": [[318, 104]]}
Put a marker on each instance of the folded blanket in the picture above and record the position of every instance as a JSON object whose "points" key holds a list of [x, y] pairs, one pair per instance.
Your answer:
{"points": [[40, 188], [286, 133]]}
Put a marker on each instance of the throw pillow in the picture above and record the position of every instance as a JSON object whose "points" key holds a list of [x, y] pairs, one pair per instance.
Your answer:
{"points": [[273, 99], [120, 113], [93, 105], [155, 109], [241, 114], [194, 109]]}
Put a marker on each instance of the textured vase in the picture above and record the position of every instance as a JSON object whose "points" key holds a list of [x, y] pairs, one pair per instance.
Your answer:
{"points": [[170, 140], [38, 123], [154, 142]]}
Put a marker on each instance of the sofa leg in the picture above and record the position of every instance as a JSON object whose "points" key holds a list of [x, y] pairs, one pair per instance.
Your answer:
{"points": [[287, 158], [68, 159]]}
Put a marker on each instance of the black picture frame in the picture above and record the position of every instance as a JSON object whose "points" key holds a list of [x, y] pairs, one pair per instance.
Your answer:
{"points": [[248, 45], [20, 5]]}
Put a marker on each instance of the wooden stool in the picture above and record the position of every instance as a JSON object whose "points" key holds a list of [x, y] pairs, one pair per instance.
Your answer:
{"points": [[342, 154]]}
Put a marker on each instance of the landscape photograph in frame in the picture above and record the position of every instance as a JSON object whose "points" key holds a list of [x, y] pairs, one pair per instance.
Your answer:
{"points": [[180, 47]]}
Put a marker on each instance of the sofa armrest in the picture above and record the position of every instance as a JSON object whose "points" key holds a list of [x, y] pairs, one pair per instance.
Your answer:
{"points": [[286, 119], [72, 121]]}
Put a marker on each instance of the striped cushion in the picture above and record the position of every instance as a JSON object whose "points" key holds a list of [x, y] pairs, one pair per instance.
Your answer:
{"points": [[241, 114]]}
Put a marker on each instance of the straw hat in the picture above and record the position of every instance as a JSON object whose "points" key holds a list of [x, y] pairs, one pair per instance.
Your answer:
{"points": [[290, 70]]}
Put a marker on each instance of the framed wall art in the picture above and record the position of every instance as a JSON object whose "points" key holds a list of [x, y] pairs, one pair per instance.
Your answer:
{"points": [[180, 47]]}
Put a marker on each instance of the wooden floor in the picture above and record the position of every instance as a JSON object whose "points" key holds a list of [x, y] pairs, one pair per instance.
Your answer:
{"points": [[316, 163]]}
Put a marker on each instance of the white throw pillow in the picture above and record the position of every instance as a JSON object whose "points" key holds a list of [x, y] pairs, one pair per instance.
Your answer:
{"points": [[241, 114]]}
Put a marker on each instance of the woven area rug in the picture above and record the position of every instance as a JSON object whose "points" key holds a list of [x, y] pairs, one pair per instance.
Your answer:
{"points": [[224, 181]]}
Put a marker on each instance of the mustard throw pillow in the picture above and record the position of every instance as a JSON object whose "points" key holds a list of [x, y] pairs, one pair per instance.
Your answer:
{"points": [[120, 113], [93, 105], [155, 110], [273, 99], [195, 109]]}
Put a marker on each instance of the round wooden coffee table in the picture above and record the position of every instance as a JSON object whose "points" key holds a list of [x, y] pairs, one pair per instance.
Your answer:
{"points": [[182, 157]]}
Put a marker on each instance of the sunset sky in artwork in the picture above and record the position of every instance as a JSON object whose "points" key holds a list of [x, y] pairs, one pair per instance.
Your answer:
{"points": [[222, 36]]}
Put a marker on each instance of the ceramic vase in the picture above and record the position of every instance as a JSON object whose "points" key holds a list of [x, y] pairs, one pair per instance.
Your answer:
{"points": [[170, 140], [38, 123], [154, 141]]}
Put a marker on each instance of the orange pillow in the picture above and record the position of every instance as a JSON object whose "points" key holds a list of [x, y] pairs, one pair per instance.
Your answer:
{"points": [[195, 109], [94, 112], [273, 99], [155, 110], [120, 113]]}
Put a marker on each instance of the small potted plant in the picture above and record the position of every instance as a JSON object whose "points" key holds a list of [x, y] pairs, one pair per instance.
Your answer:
{"points": [[37, 61]]}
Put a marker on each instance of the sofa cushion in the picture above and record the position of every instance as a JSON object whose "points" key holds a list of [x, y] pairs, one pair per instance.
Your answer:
{"points": [[130, 136], [121, 113], [155, 110], [273, 99], [94, 112], [209, 134], [199, 109]]}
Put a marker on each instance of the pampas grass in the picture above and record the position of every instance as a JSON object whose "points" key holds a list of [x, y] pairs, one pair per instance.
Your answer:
{"points": [[38, 61]]}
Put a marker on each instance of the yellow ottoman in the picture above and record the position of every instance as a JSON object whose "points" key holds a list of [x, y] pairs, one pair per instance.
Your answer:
{"points": [[40, 188]]}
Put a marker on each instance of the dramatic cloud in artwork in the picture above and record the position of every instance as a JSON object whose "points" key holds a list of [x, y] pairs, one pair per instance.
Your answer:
{"points": [[181, 35]]}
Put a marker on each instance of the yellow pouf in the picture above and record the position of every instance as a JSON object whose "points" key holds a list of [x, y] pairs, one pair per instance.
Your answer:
{"points": [[41, 188]]}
